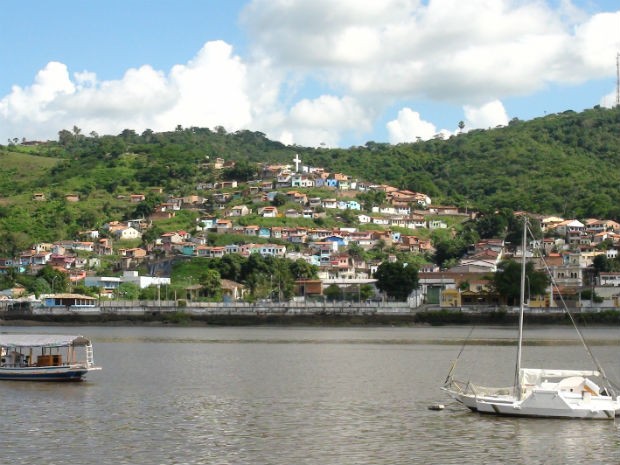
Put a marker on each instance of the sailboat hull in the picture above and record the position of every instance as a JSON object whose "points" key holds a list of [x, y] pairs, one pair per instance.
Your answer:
{"points": [[543, 404]]}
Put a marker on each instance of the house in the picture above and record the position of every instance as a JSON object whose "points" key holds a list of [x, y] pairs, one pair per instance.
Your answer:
{"points": [[103, 247], [437, 224], [297, 180], [314, 202], [308, 287], [143, 282], [272, 250], [268, 212], [380, 220], [127, 234], [283, 180], [232, 290], [133, 253], [339, 240], [239, 210], [137, 198], [609, 279], [569, 226], [208, 222], [251, 230], [597, 226], [223, 226], [69, 300], [297, 197], [292, 213], [72, 198], [228, 185], [107, 285]]}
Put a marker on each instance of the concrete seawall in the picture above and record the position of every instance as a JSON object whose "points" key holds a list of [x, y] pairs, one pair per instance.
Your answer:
{"points": [[294, 313]]}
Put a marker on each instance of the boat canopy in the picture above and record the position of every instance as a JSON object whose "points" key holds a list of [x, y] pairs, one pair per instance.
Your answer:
{"points": [[535, 375], [41, 340]]}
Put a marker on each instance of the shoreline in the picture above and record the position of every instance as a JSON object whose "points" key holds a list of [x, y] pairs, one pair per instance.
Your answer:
{"points": [[428, 318]]}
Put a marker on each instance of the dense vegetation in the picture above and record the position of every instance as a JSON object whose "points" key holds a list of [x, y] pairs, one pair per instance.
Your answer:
{"points": [[566, 164]]}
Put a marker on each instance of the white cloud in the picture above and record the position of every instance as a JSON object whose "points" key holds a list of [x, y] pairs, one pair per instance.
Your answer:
{"points": [[449, 50], [409, 127], [322, 121], [34, 103], [609, 100], [319, 71], [210, 90], [489, 115]]}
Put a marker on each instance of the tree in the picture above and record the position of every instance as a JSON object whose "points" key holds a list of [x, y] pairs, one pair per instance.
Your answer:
{"points": [[65, 137], [279, 199], [333, 293], [396, 279], [448, 250], [230, 266], [56, 280], [211, 283], [242, 171], [506, 281], [366, 292], [601, 263], [128, 291], [492, 225], [301, 269]]}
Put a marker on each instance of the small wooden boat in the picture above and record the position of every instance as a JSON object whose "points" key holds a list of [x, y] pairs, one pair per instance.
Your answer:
{"points": [[45, 357]]}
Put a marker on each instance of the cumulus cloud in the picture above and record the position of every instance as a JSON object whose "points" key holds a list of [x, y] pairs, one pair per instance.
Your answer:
{"points": [[210, 90], [609, 100], [448, 50], [319, 71], [322, 121], [489, 115], [410, 127], [36, 102]]}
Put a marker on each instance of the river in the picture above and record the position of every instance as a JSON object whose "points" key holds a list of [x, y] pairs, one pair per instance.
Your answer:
{"points": [[292, 396]]}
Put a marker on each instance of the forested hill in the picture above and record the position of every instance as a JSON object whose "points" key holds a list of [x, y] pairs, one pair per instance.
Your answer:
{"points": [[567, 163]]}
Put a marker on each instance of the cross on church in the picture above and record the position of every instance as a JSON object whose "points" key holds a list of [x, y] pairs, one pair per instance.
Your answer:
{"points": [[297, 162]]}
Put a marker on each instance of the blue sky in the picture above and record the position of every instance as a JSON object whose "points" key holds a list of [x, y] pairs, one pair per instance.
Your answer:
{"points": [[308, 72]]}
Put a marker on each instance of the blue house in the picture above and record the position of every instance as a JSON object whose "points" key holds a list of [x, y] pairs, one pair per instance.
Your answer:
{"points": [[337, 239]]}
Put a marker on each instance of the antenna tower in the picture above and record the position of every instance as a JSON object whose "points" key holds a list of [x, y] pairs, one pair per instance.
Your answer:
{"points": [[618, 79]]}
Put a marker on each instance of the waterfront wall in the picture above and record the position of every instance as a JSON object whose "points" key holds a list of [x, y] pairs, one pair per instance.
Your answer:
{"points": [[289, 313]]}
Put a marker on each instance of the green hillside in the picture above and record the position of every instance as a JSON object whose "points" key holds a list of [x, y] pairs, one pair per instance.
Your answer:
{"points": [[566, 164]]}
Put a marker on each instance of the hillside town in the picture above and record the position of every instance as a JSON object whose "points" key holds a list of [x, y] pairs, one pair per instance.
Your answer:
{"points": [[310, 193]]}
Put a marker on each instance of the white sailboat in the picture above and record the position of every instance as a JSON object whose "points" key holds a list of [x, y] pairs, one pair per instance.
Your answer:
{"points": [[544, 393]]}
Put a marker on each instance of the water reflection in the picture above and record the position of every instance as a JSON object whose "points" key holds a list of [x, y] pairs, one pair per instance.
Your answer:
{"points": [[292, 395]]}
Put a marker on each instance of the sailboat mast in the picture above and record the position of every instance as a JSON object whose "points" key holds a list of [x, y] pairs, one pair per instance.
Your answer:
{"points": [[521, 311]]}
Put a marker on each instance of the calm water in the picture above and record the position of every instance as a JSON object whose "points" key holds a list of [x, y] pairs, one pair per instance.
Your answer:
{"points": [[296, 396]]}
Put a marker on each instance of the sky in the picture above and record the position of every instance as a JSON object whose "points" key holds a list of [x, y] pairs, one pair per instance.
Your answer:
{"points": [[331, 73]]}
